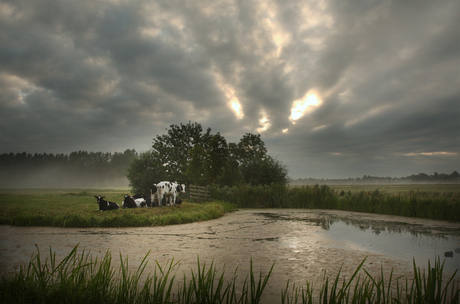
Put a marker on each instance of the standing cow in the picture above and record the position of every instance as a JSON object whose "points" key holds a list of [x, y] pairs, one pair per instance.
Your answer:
{"points": [[172, 189]]}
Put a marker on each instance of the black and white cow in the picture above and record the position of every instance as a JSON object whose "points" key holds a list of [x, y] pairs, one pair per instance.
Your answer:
{"points": [[135, 201], [170, 190], [105, 205], [146, 203], [153, 194]]}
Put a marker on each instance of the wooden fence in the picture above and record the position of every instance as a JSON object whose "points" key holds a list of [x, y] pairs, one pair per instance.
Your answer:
{"points": [[198, 193]]}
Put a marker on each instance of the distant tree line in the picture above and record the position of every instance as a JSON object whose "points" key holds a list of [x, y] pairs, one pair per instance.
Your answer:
{"points": [[77, 169], [454, 177], [442, 177]]}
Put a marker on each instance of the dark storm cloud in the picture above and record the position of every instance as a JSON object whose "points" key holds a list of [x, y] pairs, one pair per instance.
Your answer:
{"points": [[111, 75]]}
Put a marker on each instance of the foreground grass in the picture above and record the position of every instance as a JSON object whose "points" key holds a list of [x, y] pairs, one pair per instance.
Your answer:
{"points": [[80, 278], [78, 208]]}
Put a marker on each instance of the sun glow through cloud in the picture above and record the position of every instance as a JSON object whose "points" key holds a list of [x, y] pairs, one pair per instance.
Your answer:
{"points": [[264, 122], [230, 94], [431, 154], [236, 106], [299, 107]]}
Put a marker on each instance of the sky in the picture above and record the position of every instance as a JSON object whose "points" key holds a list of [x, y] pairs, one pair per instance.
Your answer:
{"points": [[336, 89]]}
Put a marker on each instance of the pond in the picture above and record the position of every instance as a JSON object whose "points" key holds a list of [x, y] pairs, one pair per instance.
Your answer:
{"points": [[396, 237], [302, 244]]}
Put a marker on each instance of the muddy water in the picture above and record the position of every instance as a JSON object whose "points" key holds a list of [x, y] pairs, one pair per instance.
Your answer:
{"points": [[302, 243]]}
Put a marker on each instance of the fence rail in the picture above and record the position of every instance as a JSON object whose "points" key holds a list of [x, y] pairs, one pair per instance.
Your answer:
{"points": [[199, 193]]}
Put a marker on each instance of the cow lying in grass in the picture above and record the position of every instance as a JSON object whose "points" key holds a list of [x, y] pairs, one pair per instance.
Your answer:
{"points": [[105, 205], [135, 201]]}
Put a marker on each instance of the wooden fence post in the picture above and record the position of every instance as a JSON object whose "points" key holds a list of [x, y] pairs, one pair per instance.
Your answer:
{"points": [[199, 193]]}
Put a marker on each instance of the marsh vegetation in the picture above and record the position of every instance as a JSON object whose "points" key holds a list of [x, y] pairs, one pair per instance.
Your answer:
{"points": [[80, 278], [441, 202]]}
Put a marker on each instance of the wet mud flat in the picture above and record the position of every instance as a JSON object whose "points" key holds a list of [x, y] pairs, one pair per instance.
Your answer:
{"points": [[302, 244]]}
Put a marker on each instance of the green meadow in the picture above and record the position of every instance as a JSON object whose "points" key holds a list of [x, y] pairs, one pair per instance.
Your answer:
{"points": [[78, 208]]}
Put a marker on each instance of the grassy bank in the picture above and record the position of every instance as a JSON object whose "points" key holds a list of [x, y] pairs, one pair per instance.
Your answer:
{"points": [[80, 278], [442, 203], [78, 208]]}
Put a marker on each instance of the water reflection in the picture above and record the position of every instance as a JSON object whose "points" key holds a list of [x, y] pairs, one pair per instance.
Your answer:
{"points": [[399, 239], [326, 220]]}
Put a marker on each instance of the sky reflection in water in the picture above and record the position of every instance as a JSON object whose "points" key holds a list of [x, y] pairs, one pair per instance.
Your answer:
{"points": [[396, 239]]}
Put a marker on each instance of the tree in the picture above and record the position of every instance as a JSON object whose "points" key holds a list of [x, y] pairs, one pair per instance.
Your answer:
{"points": [[231, 174], [251, 147], [256, 167], [172, 149], [196, 166], [144, 171], [121, 161], [217, 155], [207, 160], [187, 154], [264, 171]]}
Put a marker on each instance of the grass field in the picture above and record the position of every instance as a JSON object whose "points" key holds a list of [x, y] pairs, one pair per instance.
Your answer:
{"points": [[78, 208]]}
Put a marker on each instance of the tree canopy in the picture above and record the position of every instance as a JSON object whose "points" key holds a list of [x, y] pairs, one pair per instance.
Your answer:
{"points": [[188, 154]]}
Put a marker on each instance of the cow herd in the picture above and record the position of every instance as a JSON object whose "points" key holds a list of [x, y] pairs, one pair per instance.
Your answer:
{"points": [[162, 194]]}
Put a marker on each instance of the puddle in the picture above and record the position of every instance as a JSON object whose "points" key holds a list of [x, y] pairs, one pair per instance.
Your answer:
{"points": [[301, 243]]}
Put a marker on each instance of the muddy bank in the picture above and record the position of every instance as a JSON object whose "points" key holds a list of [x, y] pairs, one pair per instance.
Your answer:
{"points": [[300, 242]]}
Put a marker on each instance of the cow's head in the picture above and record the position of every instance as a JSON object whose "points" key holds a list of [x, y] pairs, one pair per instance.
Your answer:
{"points": [[125, 201], [153, 189], [99, 198], [182, 188], [101, 201]]}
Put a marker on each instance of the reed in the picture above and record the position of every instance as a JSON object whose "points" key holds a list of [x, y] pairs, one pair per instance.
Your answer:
{"points": [[425, 289], [425, 204], [80, 278]]}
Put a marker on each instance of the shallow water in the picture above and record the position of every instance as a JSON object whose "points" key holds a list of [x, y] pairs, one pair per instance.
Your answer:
{"points": [[302, 243], [419, 240]]}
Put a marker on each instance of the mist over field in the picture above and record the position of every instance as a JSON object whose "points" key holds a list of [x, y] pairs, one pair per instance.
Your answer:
{"points": [[55, 177], [76, 170], [58, 178], [82, 169]]}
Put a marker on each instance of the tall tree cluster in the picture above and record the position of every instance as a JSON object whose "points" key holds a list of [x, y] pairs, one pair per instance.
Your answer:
{"points": [[190, 155]]}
